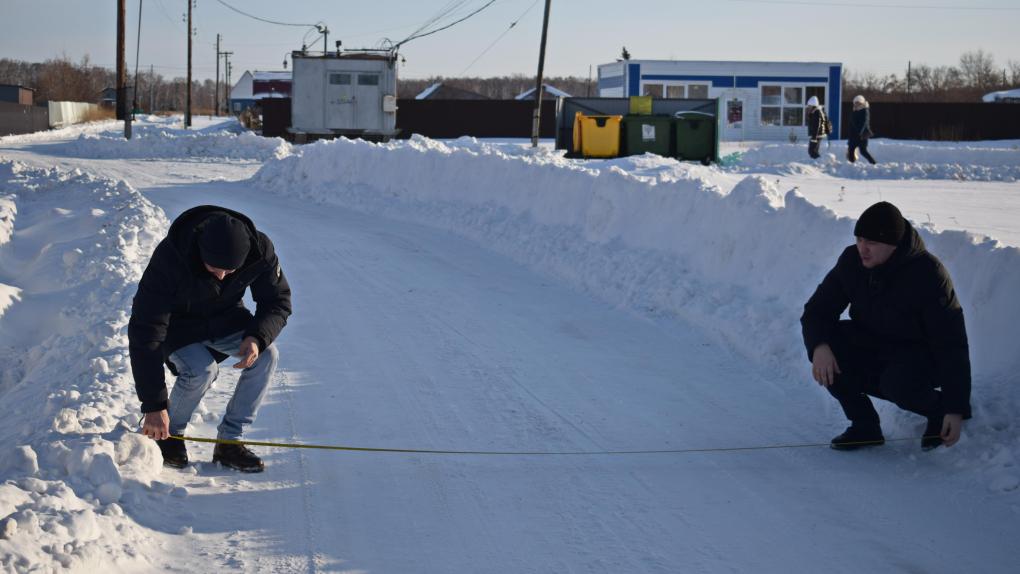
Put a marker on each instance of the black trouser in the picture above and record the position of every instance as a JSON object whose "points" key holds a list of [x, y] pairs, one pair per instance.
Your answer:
{"points": [[812, 148], [902, 374], [862, 145]]}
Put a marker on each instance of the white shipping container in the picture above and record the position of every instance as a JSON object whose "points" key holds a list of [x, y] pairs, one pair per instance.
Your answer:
{"points": [[345, 93]]}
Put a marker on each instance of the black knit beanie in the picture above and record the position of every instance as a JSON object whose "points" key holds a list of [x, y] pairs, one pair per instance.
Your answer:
{"points": [[881, 222], [223, 242]]}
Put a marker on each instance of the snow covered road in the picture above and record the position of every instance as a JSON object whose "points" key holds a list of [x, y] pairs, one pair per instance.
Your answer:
{"points": [[410, 336]]}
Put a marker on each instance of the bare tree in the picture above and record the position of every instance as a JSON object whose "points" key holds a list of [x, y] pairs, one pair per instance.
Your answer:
{"points": [[977, 69]]}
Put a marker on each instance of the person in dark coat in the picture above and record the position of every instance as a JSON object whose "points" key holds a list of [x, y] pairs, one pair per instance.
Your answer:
{"points": [[860, 131], [905, 342], [815, 126], [188, 312]]}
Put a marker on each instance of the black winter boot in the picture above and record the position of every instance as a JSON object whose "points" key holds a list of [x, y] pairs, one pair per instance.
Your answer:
{"points": [[175, 453], [859, 435], [932, 434], [237, 457]]}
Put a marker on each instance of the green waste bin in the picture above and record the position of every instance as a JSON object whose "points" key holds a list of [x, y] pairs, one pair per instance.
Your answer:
{"points": [[647, 134], [695, 136]]}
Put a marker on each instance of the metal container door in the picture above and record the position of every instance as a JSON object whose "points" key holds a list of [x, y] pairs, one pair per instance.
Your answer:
{"points": [[340, 100], [368, 101]]}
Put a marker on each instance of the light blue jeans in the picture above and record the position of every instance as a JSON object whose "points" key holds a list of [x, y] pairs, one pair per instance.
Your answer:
{"points": [[196, 371]]}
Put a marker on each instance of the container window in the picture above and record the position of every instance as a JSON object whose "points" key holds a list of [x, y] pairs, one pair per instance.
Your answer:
{"points": [[771, 96], [340, 79], [793, 116], [817, 91], [368, 79], [793, 96], [697, 91], [654, 90], [770, 116]]}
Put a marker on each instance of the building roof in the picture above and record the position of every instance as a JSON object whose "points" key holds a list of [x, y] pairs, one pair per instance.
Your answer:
{"points": [[271, 76], [441, 91], [547, 91]]}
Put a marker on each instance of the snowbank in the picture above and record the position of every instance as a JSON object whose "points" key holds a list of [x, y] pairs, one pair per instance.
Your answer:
{"points": [[740, 263], [979, 161], [156, 138], [69, 463]]}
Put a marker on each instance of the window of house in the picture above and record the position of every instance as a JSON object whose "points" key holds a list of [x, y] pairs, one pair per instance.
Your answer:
{"points": [[654, 90], [340, 79], [816, 91], [676, 92], [368, 79]]}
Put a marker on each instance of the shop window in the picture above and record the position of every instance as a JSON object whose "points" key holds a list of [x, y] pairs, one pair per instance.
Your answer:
{"points": [[770, 116], [793, 116], [654, 90], [697, 91], [784, 105], [816, 91]]}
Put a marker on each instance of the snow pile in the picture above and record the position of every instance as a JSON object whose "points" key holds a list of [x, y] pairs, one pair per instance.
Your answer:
{"points": [[977, 161], [69, 463], [156, 138], [739, 263]]}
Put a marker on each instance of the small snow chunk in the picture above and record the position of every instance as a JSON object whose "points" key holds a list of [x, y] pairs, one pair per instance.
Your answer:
{"points": [[66, 422], [179, 492], [8, 528], [185, 530], [109, 493], [23, 460]]}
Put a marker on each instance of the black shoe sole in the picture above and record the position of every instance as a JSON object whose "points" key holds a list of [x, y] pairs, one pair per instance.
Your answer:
{"points": [[856, 445], [248, 469]]}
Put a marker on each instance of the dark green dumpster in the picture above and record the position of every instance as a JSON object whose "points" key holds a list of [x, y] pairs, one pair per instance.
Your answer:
{"points": [[647, 134], [695, 137]]}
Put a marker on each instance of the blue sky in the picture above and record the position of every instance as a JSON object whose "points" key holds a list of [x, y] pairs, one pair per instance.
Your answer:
{"points": [[871, 35]]}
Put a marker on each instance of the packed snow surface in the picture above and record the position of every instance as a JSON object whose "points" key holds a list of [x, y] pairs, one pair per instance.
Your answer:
{"points": [[485, 296]]}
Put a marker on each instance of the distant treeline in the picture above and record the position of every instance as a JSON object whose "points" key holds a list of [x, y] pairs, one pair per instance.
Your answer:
{"points": [[61, 79]]}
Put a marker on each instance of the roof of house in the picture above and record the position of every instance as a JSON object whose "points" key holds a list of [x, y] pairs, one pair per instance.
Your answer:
{"points": [[546, 90], [441, 91], [1013, 94]]}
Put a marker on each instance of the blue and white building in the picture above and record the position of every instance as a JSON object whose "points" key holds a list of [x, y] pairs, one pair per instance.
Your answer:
{"points": [[757, 100]]}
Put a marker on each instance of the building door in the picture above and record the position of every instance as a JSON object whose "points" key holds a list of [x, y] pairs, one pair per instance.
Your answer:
{"points": [[340, 100], [368, 101]]}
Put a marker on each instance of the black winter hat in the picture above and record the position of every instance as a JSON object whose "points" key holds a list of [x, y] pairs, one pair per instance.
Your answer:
{"points": [[224, 242], [881, 222]]}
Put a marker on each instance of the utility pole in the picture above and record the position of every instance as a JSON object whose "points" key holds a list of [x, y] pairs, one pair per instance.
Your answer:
{"points": [[325, 36], [187, 97], [121, 65], [216, 98], [152, 90], [538, 84]]}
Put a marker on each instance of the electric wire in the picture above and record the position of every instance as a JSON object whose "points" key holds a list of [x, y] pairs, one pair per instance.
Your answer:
{"points": [[894, 6], [266, 20], [448, 26], [498, 38]]}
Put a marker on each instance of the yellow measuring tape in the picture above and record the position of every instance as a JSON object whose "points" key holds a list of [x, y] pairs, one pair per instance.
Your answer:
{"points": [[520, 453]]}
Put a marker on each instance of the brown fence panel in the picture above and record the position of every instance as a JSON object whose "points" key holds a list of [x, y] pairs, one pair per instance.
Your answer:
{"points": [[22, 119], [941, 121], [477, 118], [275, 117]]}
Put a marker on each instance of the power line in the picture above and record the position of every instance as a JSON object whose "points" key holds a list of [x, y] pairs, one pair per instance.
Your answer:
{"points": [[450, 25], [500, 37], [894, 6], [266, 20]]}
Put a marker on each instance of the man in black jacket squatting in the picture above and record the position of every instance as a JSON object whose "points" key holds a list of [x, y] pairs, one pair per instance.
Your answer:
{"points": [[905, 342], [188, 312]]}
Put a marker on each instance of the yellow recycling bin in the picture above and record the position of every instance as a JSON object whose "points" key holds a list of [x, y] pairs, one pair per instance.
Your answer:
{"points": [[597, 136]]}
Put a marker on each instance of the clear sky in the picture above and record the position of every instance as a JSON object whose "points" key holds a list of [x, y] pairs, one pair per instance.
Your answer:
{"points": [[869, 35]]}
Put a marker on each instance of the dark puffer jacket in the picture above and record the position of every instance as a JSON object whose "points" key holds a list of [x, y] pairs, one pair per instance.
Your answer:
{"points": [[179, 303], [906, 301], [860, 125]]}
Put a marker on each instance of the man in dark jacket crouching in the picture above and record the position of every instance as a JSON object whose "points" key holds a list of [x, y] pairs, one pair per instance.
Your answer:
{"points": [[189, 313], [905, 341]]}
